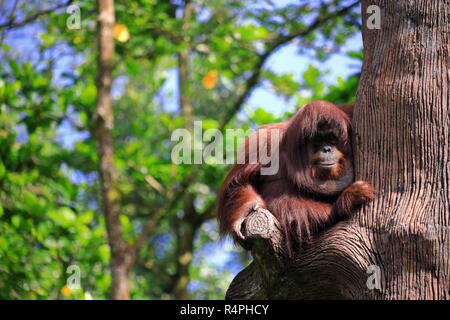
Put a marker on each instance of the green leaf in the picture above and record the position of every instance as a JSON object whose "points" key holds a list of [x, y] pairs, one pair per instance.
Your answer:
{"points": [[104, 252], [39, 82], [16, 220], [261, 116], [88, 94], [86, 217], [64, 216], [2, 170], [15, 67], [133, 67], [311, 76], [356, 54], [249, 32]]}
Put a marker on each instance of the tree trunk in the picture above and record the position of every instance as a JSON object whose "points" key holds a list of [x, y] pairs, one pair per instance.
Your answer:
{"points": [[185, 245], [183, 68], [121, 258], [401, 138], [402, 146], [185, 228], [183, 83]]}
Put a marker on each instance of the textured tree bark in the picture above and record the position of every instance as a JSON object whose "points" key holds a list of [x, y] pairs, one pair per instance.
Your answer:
{"points": [[121, 256], [402, 126]]}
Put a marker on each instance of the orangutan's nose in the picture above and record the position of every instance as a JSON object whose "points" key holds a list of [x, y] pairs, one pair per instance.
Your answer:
{"points": [[326, 149]]}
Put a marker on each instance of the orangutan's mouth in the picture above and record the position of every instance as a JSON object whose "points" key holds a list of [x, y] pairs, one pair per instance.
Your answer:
{"points": [[326, 165]]}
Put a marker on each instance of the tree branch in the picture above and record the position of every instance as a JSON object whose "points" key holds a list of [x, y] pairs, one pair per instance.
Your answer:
{"points": [[329, 260], [263, 234], [207, 214], [11, 18], [14, 24], [152, 223], [174, 38], [160, 272]]}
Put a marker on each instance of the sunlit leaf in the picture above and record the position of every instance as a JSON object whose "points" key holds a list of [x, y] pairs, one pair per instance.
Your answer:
{"points": [[121, 33], [209, 81], [66, 291]]}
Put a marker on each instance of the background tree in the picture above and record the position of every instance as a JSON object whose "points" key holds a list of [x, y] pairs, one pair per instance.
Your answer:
{"points": [[402, 124]]}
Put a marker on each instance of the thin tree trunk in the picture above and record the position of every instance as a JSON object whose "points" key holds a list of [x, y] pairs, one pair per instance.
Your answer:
{"points": [[185, 245], [183, 68], [185, 226], [183, 83], [120, 253], [401, 241]]}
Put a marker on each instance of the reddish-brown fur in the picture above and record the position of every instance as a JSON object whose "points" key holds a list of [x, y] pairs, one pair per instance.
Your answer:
{"points": [[304, 198]]}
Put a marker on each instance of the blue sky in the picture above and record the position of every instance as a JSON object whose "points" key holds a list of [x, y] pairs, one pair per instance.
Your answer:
{"points": [[286, 60]]}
